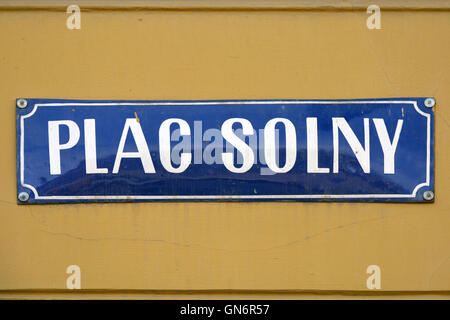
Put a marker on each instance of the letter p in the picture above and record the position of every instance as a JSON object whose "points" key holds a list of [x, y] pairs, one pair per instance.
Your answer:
{"points": [[54, 145]]}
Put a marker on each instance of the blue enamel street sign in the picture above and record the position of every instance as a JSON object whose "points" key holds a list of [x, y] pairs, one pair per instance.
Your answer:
{"points": [[303, 150]]}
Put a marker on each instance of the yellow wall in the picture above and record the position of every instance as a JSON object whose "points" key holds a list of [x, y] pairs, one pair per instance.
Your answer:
{"points": [[276, 249]]}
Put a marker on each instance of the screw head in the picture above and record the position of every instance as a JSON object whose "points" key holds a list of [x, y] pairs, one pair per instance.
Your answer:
{"points": [[23, 197], [428, 195], [21, 103], [429, 102]]}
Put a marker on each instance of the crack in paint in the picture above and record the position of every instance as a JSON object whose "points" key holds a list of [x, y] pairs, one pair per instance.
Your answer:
{"points": [[307, 238]]}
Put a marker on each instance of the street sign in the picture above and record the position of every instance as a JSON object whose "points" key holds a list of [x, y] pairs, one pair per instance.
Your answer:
{"points": [[263, 150]]}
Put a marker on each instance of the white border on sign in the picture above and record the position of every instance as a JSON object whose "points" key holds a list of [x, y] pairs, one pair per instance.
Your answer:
{"points": [[221, 197]]}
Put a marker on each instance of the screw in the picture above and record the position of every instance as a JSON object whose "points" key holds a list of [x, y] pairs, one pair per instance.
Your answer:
{"points": [[21, 103], [429, 102], [23, 196], [428, 195]]}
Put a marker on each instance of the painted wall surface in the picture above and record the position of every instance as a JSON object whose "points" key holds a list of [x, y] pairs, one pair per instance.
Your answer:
{"points": [[225, 54]]}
